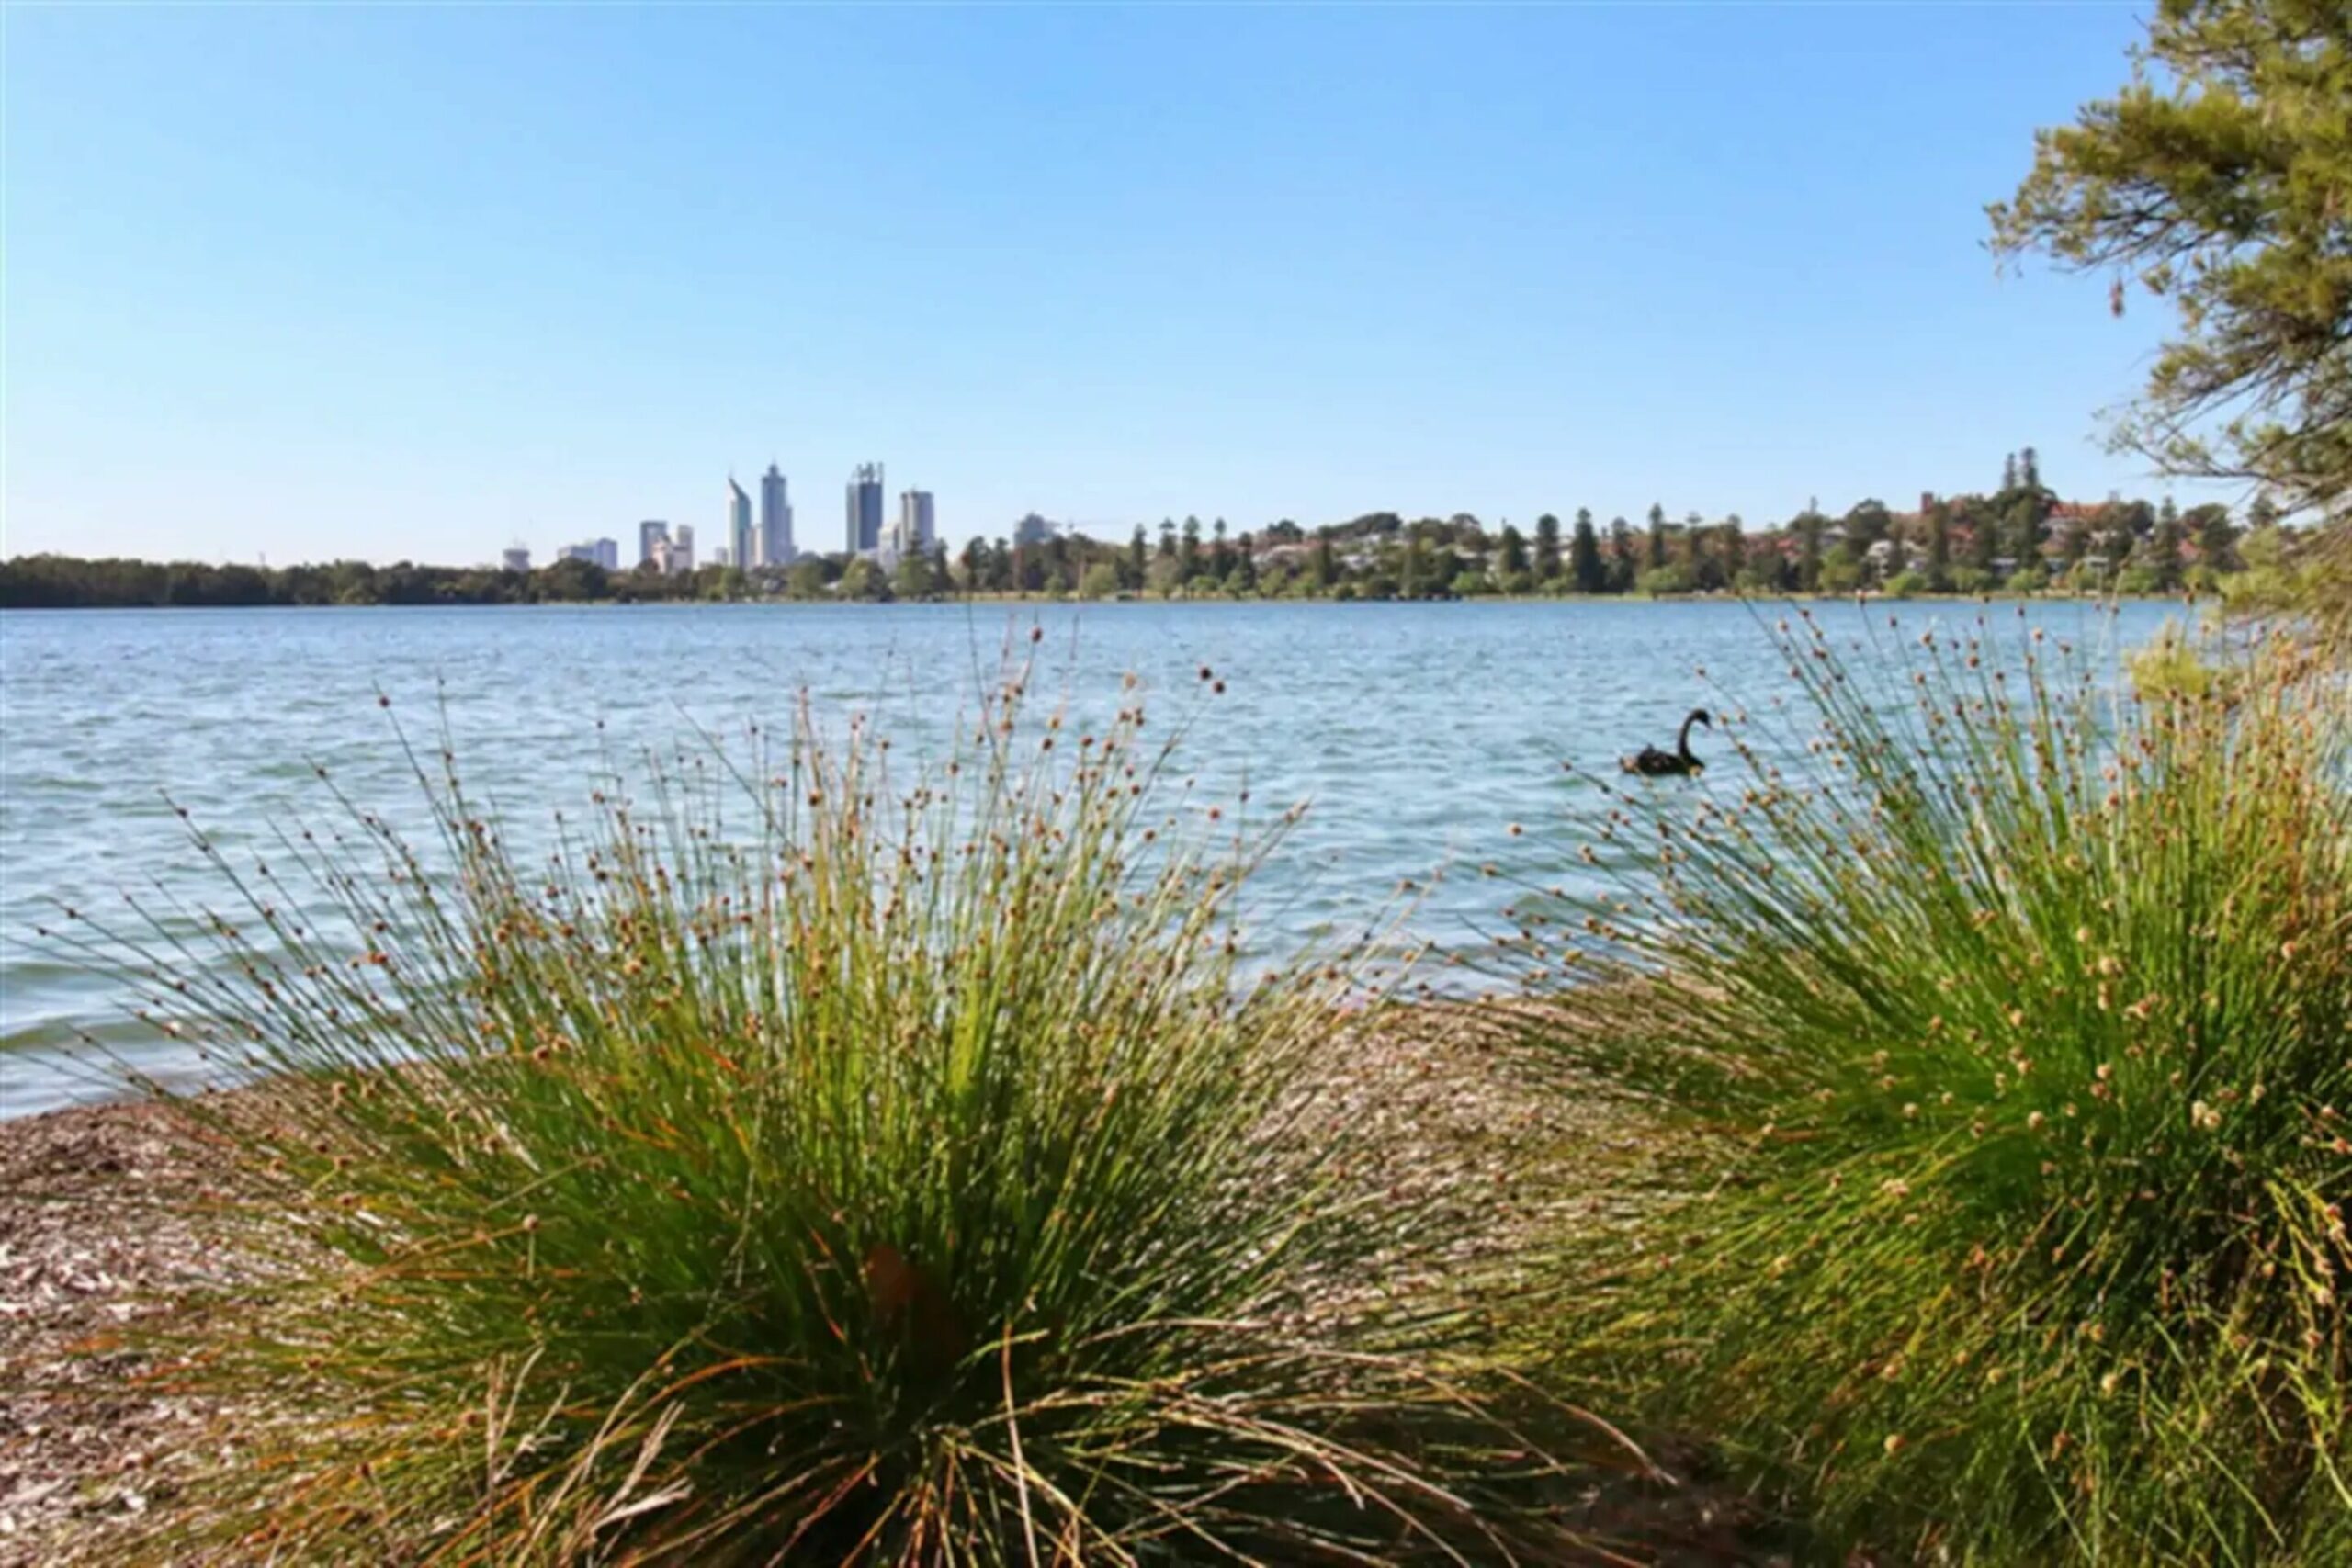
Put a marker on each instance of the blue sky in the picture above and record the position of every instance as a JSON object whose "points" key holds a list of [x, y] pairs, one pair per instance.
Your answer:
{"points": [[309, 282]]}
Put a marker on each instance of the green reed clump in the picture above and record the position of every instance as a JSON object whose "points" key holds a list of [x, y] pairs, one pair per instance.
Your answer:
{"points": [[2175, 664], [2009, 1021], [802, 1164]]}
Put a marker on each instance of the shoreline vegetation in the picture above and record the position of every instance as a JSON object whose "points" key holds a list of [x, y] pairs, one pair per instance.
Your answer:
{"points": [[100, 1237], [2021, 539], [1926, 1143]]}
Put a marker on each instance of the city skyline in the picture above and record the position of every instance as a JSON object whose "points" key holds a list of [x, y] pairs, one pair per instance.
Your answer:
{"points": [[1214, 279]]}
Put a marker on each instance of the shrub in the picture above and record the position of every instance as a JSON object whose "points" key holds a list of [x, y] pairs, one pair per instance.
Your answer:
{"points": [[2174, 665], [802, 1164], [2081, 578], [2027, 579], [1907, 584], [2302, 577], [2009, 1022], [1841, 575]]}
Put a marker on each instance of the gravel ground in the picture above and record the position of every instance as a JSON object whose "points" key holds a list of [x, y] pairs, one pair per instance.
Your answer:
{"points": [[95, 1231], [100, 1225]]}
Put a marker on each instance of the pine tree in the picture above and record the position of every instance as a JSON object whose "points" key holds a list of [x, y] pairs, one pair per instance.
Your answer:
{"points": [[1138, 562], [1514, 551], [1547, 549], [1984, 538], [2028, 530], [1584, 568], [2214, 537], [2217, 180], [1324, 567], [1657, 536], [1621, 564], [2163, 546]]}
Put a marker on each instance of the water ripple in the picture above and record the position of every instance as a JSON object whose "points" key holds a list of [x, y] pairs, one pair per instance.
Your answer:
{"points": [[1419, 732]]}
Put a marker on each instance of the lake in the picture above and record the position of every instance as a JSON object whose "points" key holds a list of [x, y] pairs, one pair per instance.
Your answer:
{"points": [[1418, 733]]}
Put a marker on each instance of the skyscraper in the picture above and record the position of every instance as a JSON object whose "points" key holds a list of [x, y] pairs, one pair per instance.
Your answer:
{"points": [[865, 514], [916, 530], [608, 554], [651, 534], [776, 519], [739, 541]]}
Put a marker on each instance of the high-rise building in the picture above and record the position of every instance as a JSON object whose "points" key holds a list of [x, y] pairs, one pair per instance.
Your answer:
{"points": [[738, 525], [916, 531], [864, 515], [605, 553], [1032, 530], [776, 519], [516, 558], [651, 534], [682, 549]]}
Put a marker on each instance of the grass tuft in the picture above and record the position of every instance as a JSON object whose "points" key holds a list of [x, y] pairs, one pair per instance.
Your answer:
{"points": [[2007, 1024], [805, 1164]]}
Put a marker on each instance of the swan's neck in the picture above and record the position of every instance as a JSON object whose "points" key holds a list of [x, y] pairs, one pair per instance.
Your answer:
{"points": [[1682, 742]]}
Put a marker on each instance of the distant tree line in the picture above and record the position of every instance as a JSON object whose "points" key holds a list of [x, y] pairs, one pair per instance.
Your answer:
{"points": [[54, 581], [2019, 537]]}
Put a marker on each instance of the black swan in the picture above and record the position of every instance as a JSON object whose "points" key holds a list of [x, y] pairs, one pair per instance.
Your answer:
{"points": [[1651, 761]]}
